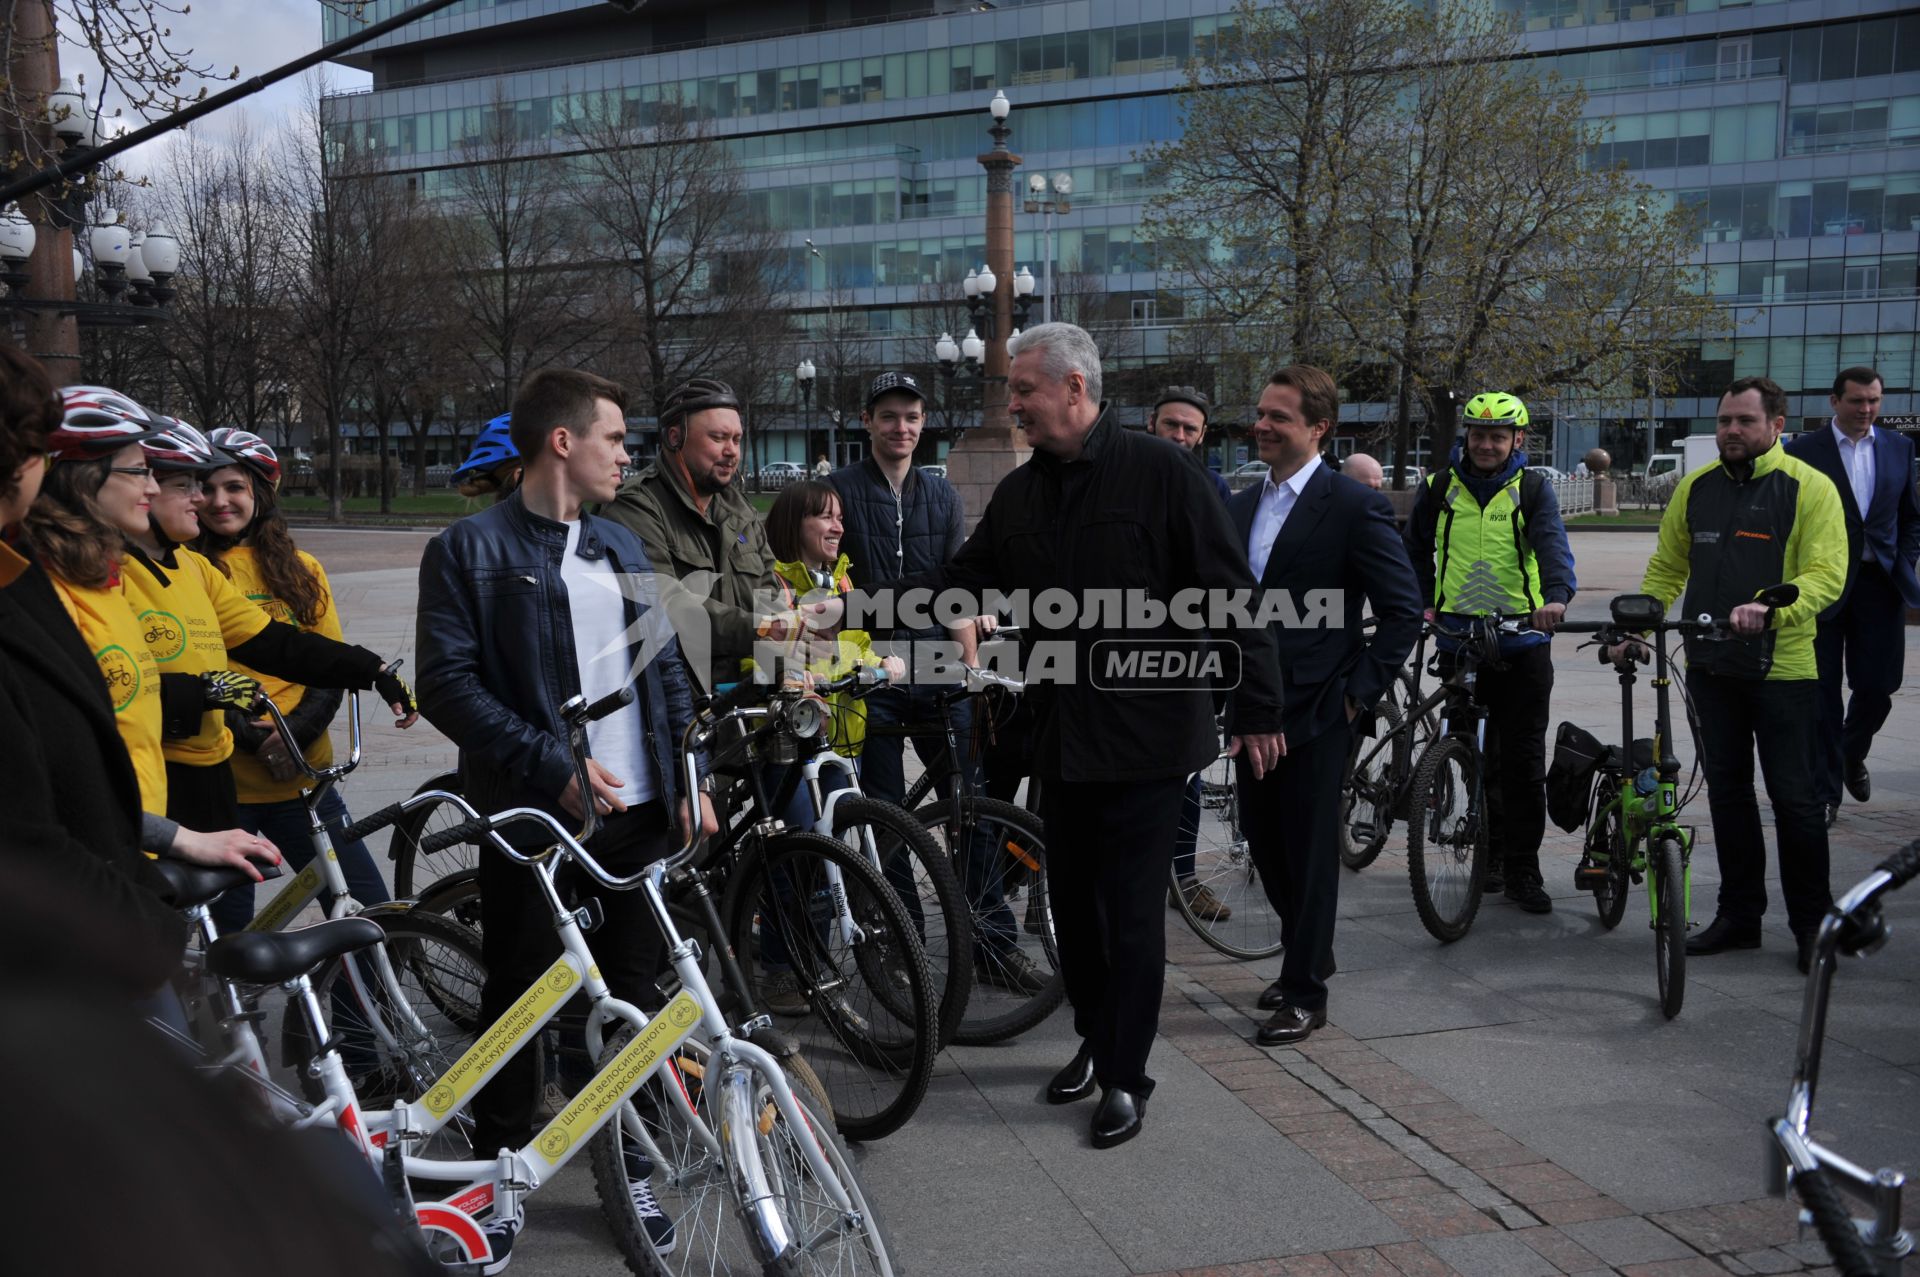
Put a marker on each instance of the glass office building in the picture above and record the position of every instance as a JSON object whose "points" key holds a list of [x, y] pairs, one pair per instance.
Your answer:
{"points": [[1793, 127]]}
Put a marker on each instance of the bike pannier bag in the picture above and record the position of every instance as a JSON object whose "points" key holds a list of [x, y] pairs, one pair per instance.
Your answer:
{"points": [[1576, 756]]}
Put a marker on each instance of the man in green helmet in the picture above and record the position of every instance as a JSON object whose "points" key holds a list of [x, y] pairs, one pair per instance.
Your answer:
{"points": [[1485, 537]]}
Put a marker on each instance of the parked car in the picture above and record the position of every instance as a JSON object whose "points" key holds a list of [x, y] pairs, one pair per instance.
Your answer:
{"points": [[1414, 477], [1247, 474], [1552, 475], [939, 470], [778, 474]]}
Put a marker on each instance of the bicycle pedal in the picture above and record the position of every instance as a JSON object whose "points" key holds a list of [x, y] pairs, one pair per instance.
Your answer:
{"points": [[1590, 877]]}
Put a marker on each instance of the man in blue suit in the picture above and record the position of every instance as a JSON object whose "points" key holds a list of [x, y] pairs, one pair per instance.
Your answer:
{"points": [[1306, 530], [1865, 630]]}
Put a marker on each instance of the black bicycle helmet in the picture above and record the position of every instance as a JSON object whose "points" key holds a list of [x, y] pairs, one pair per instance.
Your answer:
{"points": [[696, 395]]}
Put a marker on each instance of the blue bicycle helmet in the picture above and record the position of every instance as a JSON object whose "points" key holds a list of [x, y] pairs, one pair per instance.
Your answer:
{"points": [[492, 449]]}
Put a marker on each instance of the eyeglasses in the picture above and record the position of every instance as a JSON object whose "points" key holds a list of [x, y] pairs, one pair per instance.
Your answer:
{"points": [[138, 472]]}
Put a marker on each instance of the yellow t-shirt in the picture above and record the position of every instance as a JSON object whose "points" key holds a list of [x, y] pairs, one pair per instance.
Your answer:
{"points": [[188, 623], [106, 621], [251, 780]]}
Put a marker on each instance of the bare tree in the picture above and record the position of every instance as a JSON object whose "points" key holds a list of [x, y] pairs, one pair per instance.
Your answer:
{"points": [[223, 346], [514, 250], [1254, 183], [664, 202]]}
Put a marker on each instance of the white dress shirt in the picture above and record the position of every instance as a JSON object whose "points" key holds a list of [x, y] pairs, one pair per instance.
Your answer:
{"points": [[1276, 503], [1857, 459]]}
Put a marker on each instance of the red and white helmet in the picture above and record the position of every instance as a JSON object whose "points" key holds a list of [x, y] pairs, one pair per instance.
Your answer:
{"points": [[248, 449], [182, 447], [98, 422]]}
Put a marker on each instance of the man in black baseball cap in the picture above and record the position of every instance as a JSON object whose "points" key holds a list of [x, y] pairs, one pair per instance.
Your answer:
{"points": [[899, 520]]}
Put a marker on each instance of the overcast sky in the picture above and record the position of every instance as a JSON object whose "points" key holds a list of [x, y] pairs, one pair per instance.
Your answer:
{"points": [[256, 36]]}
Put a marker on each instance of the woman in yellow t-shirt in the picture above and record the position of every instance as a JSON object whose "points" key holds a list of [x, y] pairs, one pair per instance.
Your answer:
{"points": [[198, 626], [245, 536]]}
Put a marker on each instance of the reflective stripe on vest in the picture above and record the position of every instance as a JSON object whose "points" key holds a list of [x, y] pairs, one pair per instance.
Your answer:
{"points": [[1484, 562]]}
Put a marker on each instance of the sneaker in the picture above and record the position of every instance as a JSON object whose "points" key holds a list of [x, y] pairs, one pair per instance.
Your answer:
{"points": [[1201, 901], [1494, 883], [1526, 891], [1012, 971], [780, 994], [645, 1206], [500, 1234]]}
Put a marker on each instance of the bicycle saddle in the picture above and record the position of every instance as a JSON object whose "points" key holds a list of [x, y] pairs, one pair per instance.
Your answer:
{"points": [[189, 886], [274, 957]]}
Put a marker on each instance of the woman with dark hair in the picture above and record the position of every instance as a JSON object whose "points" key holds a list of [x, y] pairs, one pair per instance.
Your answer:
{"points": [[73, 796], [198, 627], [246, 537]]}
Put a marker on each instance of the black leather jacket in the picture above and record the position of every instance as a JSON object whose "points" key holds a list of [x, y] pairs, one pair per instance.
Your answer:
{"points": [[887, 535], [497, 660]]}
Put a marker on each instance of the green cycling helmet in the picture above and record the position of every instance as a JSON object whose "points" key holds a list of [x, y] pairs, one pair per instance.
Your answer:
{"points": [[1496, 408]]}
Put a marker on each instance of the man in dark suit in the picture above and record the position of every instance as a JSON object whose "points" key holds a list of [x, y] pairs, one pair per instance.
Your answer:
{"points": [[1865, 630], [1307, 529]]}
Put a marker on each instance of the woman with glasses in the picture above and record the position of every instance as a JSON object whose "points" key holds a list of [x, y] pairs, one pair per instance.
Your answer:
{"points": [[198, 627]]}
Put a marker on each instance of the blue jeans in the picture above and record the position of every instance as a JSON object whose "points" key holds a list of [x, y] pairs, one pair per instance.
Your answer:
{"points": [[798, 814], [285, 823], [883, 776]]}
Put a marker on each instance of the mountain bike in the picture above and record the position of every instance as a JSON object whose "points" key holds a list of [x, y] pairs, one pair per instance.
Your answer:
{"points": [[1877, 1246], [1374, 792], [705, 1156], [1634, 833]]}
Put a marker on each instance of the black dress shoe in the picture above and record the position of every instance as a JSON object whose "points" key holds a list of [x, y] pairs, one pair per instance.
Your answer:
{"points": [[1722, 935], [1289, 1025], [1075, 1082], [1272, 998], [1859, 783], [1118, 1118]]}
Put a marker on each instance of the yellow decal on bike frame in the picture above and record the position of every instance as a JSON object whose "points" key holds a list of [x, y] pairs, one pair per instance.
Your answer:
{"points": [[291, 900], [583, 1114], [520, 1021]]}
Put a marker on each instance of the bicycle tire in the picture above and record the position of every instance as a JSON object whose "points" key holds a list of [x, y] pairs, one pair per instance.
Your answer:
{"points": [[1016, 866], [413, 871], [439, 965], [923, 878], [1446, 838], [695, 1191], [1669, 890], [875, 1065], [1834, 1223], [1367, 801], [1223, 863], [1610, 897]]}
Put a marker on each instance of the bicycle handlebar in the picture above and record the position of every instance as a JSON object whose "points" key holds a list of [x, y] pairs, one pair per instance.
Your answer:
{"points": [[1903, 866], [299, 755]]}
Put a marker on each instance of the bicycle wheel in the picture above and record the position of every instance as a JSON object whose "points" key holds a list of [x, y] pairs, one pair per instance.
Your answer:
{"points": [[414, 871], [914, 866], [783, 910], [1246, 926], [688, 1178], [1670, 923], [1446, 838], [1607, 842], [1374, 775], [1001, 853], [826, 1239], [438, 970]]}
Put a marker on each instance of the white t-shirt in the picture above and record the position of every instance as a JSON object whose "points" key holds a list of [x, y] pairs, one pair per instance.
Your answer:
{"points": [[603, 649]]}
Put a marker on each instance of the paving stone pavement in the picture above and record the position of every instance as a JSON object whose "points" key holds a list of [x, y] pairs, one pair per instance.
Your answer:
{"points": [[1513, 1103]]}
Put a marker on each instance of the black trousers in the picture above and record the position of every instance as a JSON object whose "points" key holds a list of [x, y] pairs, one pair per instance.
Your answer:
{"points": [[519, 943], [1518, 700], [1291, 817], [1779, 717], [1868, 637], [1109, 848], [202, 798]]}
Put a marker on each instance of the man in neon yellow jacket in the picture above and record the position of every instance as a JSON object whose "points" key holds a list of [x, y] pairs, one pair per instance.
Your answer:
{"points": [[1754, 518]]}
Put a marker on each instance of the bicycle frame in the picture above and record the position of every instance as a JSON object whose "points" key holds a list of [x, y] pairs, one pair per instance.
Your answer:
{"points": [[1645, 819], [503, 1181]]}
